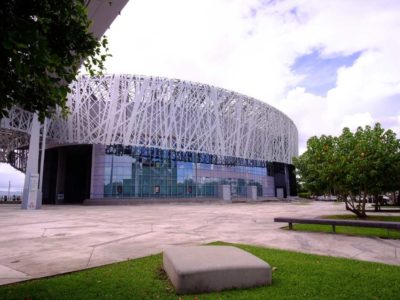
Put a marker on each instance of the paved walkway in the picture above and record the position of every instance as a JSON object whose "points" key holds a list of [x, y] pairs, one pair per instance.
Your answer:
{"points": [[58, 239]]}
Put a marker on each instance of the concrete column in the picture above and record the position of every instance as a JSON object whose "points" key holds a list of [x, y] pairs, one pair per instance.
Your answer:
{"points": [[92, 189], [287, 181], [280, 193], [252, 192], [224, 192], [29, 195], [42, 157], [61, 165]]}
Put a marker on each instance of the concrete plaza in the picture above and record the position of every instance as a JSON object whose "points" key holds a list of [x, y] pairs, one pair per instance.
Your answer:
{"points": [[59, 239]]}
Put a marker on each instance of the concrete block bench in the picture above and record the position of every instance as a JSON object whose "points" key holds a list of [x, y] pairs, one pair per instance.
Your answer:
{"points": [[197, 269]]}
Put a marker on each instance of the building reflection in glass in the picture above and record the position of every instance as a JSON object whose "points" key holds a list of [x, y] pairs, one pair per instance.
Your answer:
{"points": [[150, 172]]}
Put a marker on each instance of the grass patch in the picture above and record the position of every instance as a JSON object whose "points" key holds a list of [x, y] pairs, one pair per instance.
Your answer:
{"points": [[387, 205], [368, 218], [349, 230], [297, 276], [356, 231]]}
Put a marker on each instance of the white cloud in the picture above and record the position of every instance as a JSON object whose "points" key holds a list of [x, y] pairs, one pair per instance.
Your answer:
{"points": [[356, 120], [249, 47], [9, 175]]}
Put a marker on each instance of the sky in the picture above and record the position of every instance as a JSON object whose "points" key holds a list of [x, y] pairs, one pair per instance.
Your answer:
{"points": [[326, 64]]}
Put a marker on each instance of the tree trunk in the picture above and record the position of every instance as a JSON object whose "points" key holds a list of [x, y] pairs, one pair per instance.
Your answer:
{"points": [[362, 206], [355, 206], [376, 201]]}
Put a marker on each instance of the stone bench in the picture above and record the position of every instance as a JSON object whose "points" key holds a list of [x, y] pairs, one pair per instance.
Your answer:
{"points": [[197, 269]]}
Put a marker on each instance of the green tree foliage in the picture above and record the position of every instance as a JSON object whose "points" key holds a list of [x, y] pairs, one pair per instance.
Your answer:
{"points": [[43, 43], [354, 166]]}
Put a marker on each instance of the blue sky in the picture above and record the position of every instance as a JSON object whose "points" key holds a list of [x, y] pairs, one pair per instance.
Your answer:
{"points": [[320, 73], [326, 64]]}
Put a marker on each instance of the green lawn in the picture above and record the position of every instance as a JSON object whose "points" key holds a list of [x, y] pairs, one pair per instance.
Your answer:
{"points": [[297, 276], [349, 230], [369, 218]]}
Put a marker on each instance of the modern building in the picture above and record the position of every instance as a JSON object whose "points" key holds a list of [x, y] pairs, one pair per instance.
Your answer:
{"points": [[136, 137]]}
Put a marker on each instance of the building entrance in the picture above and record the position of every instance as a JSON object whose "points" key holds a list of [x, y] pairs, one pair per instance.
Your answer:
{"points": [[66, 177]]}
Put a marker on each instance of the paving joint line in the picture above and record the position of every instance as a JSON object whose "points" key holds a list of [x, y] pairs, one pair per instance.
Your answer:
{"points": [[121, 239], [90, 257], [72, 227]]}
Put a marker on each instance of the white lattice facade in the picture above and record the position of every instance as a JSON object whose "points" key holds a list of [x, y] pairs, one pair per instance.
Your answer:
{"points": [[133, 136], [174, 114], [169, 114]]}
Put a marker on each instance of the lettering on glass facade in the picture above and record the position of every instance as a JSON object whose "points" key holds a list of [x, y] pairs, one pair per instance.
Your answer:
{"points": [[130, 171]]}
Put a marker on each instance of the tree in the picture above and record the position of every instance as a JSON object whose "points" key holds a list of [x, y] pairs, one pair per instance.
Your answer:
{"points": [[316, 166], [43, 43], [355, 166]]}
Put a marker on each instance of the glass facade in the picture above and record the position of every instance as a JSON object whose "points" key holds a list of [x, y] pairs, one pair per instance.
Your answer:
{"points": [[129, 172]]}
